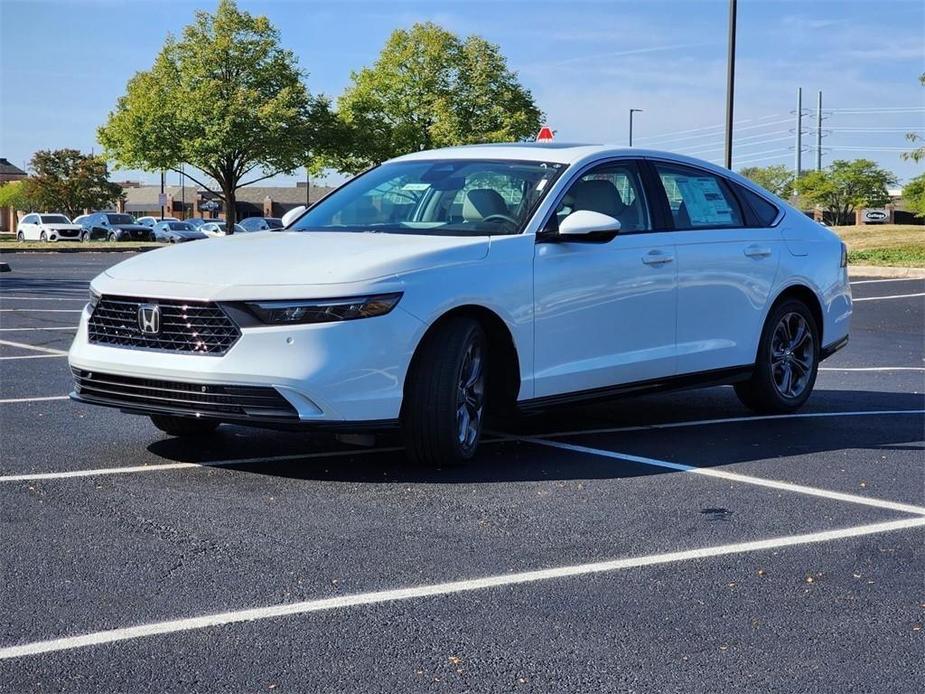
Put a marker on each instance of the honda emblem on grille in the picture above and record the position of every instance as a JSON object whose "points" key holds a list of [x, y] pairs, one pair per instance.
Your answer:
{"points": [[149, 319]]}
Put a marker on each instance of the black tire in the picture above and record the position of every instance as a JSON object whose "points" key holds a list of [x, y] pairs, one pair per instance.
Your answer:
{"points": [[765, 391], [20, 237], [431, 420], [111, 237], [43, 236], [183, 426], [85, 237]]}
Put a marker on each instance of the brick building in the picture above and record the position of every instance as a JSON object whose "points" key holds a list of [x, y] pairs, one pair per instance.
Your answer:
{"points": [[252, 201]]}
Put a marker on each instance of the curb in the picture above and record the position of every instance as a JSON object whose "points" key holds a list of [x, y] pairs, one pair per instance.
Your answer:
{"points": [[80, 250], [885, 271]]}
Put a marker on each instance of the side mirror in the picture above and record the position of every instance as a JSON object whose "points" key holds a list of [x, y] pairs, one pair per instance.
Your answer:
{"points": [[291, 215], [582, 222]]}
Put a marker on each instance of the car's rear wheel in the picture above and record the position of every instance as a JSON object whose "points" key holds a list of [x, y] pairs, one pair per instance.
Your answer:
{"points": [[444, 406], [183, 426], [788, 361], [20, 237]]}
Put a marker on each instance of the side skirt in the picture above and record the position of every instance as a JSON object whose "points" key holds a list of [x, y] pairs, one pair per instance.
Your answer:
{"points": [[702, 379]]}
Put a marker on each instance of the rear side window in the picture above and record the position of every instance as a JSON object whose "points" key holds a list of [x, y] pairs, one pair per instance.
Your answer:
{"points": [[764, 211], [699, 199]]}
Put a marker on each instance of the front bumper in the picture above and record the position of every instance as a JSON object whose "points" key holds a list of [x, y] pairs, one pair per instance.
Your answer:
{"points": [[349, 373]]}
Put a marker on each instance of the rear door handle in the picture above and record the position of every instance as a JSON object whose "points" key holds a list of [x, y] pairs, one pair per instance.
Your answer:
{"points": [[657, 258], [757, 251]]}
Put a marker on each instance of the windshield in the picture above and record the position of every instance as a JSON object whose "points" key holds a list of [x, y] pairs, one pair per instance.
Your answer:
{"points": [[438, 197], [273, 222], [179, 226], [120, 219], [55, 219]]}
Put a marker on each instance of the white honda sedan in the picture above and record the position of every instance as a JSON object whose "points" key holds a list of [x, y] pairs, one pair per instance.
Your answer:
{"points": [[444, 285]]}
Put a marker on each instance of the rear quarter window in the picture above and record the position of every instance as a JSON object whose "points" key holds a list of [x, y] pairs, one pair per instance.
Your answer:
{"points": [[765, 212]]}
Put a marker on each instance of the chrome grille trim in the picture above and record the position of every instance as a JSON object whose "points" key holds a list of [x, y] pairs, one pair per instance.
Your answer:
{"points": [[195, 327]]}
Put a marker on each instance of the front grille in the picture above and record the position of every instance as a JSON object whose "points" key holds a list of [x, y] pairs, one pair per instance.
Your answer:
{"points": [[176, 397], [67, 232], [185, 326]]}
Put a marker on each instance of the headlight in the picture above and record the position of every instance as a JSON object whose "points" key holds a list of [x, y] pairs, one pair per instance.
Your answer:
{"points": [[322, 310], [94, 299]]}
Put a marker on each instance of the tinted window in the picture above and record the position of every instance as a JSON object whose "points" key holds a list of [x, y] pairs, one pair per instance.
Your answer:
{"points": [[120, 219], [698, 199], [179, 226], [612, 189], [273, 223], [764, 211]]}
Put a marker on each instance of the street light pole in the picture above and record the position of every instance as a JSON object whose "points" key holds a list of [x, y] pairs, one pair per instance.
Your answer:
{"points": [[162, 195], [730, 81], [632, 111]]}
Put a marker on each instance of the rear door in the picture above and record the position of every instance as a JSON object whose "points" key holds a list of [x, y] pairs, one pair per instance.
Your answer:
{"points": [[726, 268], [604, 306], [29, 228]]}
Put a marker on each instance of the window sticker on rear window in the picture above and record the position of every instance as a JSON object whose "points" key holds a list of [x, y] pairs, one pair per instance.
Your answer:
{"points": [[705, 201]]}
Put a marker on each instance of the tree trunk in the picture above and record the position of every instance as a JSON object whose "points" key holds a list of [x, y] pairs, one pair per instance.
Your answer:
{"points": [[231, 211]]}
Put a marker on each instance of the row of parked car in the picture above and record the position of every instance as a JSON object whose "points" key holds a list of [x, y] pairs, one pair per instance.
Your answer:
{"points": [[117, 226]]}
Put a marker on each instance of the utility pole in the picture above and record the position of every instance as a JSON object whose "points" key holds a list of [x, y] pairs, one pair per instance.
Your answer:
{"points": [[308, 187], [183, 191], [798, 145], [162, 195], [632, 111], [730, 81], [819, 131]]}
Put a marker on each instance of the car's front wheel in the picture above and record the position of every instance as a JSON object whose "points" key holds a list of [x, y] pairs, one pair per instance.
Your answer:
{"points": [[788, 361], [183, 426], [43, 236], [111, 237], [444, 403]]}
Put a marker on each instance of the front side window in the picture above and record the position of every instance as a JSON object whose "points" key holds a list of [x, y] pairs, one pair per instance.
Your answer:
{"points": [[465, 197], [612, 189], [698, 199]]}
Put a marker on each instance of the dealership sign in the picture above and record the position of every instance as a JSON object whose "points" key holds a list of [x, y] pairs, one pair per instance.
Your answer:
{"points": [[874, 216]]}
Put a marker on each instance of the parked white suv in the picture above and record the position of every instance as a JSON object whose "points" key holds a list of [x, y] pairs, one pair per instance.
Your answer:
{"points": [[442, 284], [47, 227]]}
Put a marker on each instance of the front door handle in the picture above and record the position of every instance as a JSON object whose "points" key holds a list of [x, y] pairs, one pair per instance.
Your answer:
{"points": [[657, 258], [757, 251]]}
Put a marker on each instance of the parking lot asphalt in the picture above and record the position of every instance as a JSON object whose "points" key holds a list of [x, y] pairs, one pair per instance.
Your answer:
{"points": [[658, 544]]}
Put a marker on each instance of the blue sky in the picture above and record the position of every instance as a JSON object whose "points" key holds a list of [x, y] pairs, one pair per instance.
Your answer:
{"points": [[63, 65]]}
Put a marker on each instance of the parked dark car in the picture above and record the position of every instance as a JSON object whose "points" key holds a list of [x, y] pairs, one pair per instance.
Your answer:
{"points": [[176, 232], [115, 226], [261, 223]]}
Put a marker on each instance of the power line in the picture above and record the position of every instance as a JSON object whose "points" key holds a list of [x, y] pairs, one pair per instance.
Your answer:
{"points": [[738, 145], [705, 127], [672, 140]]}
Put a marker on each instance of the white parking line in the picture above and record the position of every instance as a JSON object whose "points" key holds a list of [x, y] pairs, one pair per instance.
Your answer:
{"points": [[50, 397], [730, 476], [891, 279], [34, 348], [41, 310], [727, 420], [179, 466], [449, 588], [22, 330], [873, 368], [881, 298]]}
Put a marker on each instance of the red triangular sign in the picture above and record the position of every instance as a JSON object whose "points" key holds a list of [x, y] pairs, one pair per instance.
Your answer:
{"points": [[545, 134]]}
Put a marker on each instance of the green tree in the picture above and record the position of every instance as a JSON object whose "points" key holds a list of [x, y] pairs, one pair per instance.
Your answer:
{"points": [[846, 185], [777, 178], [428, 88], [15, 194], [914, 195], [225, 99], [64, 180], [917, 154]]}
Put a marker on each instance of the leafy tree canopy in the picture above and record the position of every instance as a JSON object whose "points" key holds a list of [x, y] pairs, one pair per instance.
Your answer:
{"points": [[15, 194], [777, 178], [914, 195], [226, 99], [846, 185], [64, 180], [429, 88]]}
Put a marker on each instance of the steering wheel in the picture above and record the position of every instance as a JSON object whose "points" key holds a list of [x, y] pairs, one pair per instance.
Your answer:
{"points": [[502, 217]]}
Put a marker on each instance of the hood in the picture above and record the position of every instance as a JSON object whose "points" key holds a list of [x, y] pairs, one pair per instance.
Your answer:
{"points": [[296, 258], [61, 227], [186, 233]]}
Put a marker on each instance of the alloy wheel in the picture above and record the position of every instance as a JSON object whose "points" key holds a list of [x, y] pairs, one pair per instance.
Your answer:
{"points": [[470, 395], [792, 355]]}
